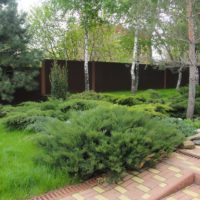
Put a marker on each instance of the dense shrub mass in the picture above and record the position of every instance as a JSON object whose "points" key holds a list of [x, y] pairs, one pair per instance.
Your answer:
{"points": [[187, 129], [193, 123], [107, 140], [179, 103], [156, 109], [2, 113], [33, 116], [59, 82], [93, 133], [151, 96]]}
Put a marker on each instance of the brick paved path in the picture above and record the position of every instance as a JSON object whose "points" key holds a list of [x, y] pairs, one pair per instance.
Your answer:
{"points": [[176, 178]]}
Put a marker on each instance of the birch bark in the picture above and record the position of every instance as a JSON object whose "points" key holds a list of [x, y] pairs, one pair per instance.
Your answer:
{"points": [[86, 71], [180, 72], [133, 75]]}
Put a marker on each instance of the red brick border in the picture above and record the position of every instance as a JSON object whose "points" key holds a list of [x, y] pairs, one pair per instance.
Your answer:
{"points": [[188, 179], [63, 192], [189, 154]]}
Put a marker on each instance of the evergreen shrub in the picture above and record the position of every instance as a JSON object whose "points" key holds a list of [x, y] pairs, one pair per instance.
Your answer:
{"points": [[33, 115], [59, 81], [179, 103], [185, 127], [151, 96], [156, 109], [107, 140]]}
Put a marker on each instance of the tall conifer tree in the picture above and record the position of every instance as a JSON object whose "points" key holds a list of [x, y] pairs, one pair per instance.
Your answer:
{"points": [[15, 56]]}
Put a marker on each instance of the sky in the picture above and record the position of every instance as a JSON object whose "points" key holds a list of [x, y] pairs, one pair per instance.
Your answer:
{"points": [[26, 5]]}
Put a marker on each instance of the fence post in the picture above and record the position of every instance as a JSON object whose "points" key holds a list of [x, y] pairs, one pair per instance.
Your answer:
{"points": [[165, 79], [43, 79], [93, 77]]}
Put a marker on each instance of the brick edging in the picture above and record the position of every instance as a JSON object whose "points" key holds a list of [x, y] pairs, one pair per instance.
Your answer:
{"points": [[189, 154], [66, 191]]}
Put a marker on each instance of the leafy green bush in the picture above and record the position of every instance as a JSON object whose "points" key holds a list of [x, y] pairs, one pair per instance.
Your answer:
{"points": [[33, 116], [81, 105], [156, 109], [107, 140], [179, 106], [59, 81], [194, 123], [185, 90], [150, 96], [186, 128], [2, 113], [23, 115]]}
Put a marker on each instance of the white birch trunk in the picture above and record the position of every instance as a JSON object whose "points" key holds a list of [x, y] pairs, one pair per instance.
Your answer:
{"points": [[179, 78], [133, 77], [86, 70], [137, 76]]}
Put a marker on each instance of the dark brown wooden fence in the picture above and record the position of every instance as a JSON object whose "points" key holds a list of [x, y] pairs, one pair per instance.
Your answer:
{"points": [[111, 77], [103, 77]]}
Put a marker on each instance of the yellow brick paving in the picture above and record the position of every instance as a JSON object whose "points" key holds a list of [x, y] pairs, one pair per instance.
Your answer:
{"points": [[190, 193], [98, 189], [140, 186]]}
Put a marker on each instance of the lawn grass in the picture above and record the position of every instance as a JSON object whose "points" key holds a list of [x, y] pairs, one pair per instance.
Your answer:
{"points": [[166, 93], [20, 177]]}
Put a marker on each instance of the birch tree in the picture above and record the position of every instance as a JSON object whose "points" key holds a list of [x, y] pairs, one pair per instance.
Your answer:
{"points": [[186, 13], [138, 15], [88, 12]]}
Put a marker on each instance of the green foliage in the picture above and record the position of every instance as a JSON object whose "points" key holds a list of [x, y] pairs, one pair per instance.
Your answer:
{"points": [[32, 116], [20, 177], [194, 123], [186, 128], [30, 113], [156, 109], [2, 113], [81, 105], [107, 140], [16, 60], [150, 96], [59, 81], [179, 103]]}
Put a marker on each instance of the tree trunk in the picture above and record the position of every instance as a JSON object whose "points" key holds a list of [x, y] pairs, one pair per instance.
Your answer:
{"points": [[87, 85], [197, 70], [197, 76], [193, 61], [133, 76], [179, 78], [137, 76]]}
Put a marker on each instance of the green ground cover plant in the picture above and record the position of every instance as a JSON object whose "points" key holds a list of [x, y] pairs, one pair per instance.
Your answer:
{"points": [[86, 135], [150, 96], [108, 140], [32, 116], [20, 177]]}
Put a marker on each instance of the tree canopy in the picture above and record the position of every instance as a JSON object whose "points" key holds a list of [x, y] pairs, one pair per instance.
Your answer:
{"points": [[15, 54]]}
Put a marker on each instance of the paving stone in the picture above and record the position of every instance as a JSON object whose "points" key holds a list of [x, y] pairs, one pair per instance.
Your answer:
{"points": [[137, 179], [143, 188], [98, 189], [159, 178], [155, 171], [144, 185], [120, 189], [122, 197], [146, 196]]}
